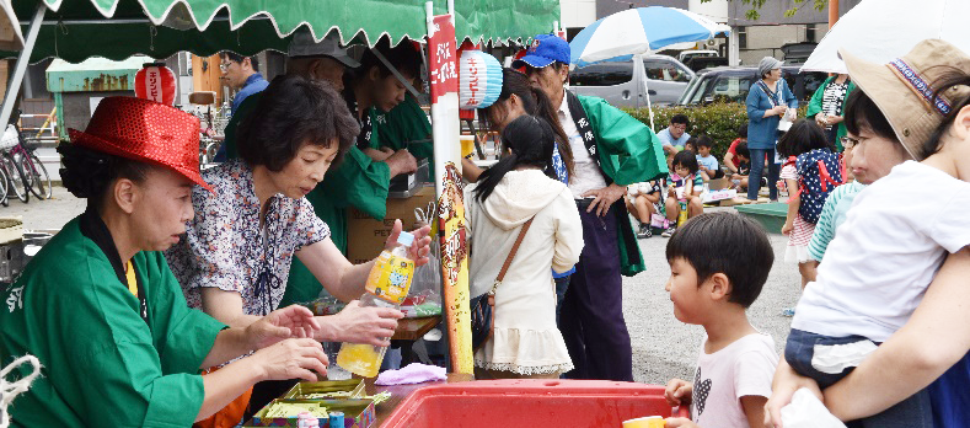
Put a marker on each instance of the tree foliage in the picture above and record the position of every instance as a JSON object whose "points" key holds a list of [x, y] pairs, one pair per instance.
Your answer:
{"points": [[753, 14]]}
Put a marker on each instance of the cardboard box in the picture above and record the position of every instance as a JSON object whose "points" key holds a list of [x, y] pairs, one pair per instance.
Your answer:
{"points": [[359, 412], [357, 409], [366, 236], [305, 390]]}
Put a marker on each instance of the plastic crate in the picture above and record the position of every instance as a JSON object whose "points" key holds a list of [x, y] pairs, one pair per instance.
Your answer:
{"points": [[772, 216], [529, 403]]}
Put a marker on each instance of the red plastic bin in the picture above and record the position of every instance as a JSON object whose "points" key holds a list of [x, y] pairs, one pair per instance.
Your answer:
{"points": [[529, 403]]}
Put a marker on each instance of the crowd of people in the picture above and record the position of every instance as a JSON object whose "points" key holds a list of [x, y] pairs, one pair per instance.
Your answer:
{"points": [[170, 272]]}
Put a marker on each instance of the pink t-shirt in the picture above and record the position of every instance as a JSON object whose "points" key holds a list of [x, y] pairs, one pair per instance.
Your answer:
{"points": [[743, 368]]}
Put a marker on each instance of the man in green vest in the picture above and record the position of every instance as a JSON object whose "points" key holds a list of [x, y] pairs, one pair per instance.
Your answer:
{"points": [[611, 150]]}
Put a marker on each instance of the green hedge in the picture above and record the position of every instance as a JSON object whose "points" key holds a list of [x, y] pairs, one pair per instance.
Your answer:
{"points": [[720, 121]]}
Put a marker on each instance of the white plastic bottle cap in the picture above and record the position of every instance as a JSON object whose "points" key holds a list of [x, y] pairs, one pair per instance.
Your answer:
{"points": [[405, 239]]}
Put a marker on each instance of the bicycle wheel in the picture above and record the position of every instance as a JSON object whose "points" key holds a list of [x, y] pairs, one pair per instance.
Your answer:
{"points": [[37, 177], [4, 188], [15, 176]]}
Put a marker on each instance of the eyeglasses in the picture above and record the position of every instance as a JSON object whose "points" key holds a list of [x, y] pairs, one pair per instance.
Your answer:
{"points": [[848, 142], [224, 66]]}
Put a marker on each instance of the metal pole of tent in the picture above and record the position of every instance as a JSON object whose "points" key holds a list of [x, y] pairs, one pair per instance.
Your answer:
{"points": [[638, 62], [13, 86]]}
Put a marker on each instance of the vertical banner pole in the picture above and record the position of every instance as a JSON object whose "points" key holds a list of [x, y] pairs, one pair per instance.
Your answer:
{"points": [[450, 213]]}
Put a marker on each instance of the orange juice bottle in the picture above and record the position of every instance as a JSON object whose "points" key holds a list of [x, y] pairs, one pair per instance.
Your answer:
{"points": [[387, 286]]}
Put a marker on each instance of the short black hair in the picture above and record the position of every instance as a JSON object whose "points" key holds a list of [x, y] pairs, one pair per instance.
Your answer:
{"points": [[691, 144], [949, 80], [404, 57], [234, 57], [89, 173], [680, 118], [804, 136], [725, 243], [704, 141], [743, 130], [742, 150], [686, 159], [292, 111], [862, 113]]}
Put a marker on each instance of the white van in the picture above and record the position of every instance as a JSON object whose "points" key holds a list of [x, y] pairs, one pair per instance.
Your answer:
{"points": [[621, 85]]}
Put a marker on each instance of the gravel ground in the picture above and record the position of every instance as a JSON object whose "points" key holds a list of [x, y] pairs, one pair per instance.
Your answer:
{"points": [[663, 347]]}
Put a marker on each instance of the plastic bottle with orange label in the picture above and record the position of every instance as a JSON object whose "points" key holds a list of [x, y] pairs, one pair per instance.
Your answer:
{"points": [[387, 286]]}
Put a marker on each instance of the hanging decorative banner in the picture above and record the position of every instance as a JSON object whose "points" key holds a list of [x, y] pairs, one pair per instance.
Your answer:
{"points": [[454, 270], [441, 48], [156, 82], [479, 80]]}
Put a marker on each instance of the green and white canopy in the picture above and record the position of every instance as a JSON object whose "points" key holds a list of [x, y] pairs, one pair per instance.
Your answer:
{"points": [[75, 30]]}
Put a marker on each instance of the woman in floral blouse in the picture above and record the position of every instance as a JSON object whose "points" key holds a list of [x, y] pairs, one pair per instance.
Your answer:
{"points": [[236, 257]]}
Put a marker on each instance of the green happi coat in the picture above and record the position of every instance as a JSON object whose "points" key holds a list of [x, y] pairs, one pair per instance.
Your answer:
{"points": [[104, 366], [628, 153]]}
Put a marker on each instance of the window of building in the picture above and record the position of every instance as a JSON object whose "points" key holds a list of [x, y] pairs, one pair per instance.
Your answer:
{"points": [[810, 33], [742, 37]]}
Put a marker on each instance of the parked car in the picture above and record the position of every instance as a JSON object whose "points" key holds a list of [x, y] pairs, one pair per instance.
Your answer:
{"points": [[798, 53], [698, 63], [731, 84], [616, 82], [686, 55]]}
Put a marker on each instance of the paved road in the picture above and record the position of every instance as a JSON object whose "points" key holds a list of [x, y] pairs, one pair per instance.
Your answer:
{"points": [[662, 346]]}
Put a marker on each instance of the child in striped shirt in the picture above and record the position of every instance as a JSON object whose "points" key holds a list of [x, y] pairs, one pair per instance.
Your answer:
{"points": [[803, 137]]}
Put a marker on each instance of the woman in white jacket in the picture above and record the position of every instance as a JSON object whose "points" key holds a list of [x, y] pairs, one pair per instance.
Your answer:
{"points": [[525, 340]]}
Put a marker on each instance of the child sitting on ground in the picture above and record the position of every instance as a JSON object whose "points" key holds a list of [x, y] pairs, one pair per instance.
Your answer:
{"points": [[710, 170], [643, 201], [740, 176], [811, 173], [731, 160], [686, 186], [712, 284]]}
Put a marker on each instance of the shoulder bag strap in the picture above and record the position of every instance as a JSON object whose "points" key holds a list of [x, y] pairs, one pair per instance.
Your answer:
{"points": [[501, 276], [515, 249]]}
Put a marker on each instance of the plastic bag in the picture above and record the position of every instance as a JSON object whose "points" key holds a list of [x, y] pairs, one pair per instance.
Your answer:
{"points": [[806, 411], [424, 298]]}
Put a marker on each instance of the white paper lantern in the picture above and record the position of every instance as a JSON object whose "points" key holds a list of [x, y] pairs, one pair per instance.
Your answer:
{"points": [[479, 80]]}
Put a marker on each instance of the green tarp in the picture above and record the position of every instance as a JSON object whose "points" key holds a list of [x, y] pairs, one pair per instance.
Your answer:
{"points": [[74, 30]]}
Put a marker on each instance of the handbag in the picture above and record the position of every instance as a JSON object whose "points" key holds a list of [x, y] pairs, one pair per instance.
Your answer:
{"points": [[483, 307]]}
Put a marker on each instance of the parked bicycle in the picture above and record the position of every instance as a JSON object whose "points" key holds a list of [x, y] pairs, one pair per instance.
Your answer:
{"points": [[11, 166], [38, 181]]}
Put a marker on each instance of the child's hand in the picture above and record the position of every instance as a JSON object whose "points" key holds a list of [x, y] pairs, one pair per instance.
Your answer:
{"points": [[787, 228], [680, 423], [678, 392]]}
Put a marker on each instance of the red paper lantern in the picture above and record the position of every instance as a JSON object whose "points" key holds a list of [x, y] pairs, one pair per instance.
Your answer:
{"points": [[156, 82]]}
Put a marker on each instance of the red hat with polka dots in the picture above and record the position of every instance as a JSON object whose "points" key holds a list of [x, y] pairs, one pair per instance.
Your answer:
{"points": [[144, 131]]}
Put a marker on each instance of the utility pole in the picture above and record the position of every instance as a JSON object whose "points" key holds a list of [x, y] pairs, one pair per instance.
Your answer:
{"points": [[833, 12]]}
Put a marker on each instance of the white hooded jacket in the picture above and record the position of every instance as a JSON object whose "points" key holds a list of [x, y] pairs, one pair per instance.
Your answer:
{"points": [[526, 339]]}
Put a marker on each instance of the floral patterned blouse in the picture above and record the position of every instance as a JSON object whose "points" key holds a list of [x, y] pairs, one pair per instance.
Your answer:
{"points": [[226, 248]]}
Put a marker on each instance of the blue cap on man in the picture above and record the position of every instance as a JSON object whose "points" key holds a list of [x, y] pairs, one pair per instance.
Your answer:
{"points": [[545, 50]]}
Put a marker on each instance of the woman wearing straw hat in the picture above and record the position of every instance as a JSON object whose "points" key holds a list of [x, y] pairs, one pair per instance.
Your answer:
{"points": [[925, 97], [100, 308]]}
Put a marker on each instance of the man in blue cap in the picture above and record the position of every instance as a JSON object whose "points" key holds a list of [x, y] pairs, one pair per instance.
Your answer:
{"points": [[611, 150]]}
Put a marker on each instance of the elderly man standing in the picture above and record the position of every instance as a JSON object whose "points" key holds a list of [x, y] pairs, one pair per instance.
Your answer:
{"points": [[611, 150]]}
